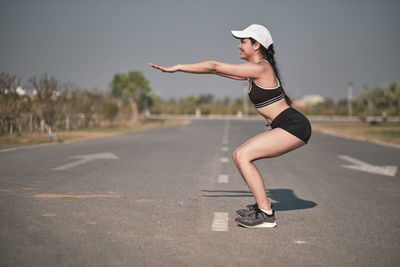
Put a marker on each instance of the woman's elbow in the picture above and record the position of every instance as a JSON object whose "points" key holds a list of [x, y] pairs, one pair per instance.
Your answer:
{"points": [[215, 67], [212, 66]]}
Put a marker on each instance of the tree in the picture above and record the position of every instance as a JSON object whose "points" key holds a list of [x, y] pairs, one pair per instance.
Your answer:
{"points": [[205, 99], [89, 104], [9, 102], [392, 92], [132, 87], [380, 100], [48, 92], [110, 111]]}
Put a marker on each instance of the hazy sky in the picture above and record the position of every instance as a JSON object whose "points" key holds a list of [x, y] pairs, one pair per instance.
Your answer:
{"points": [[320, 45]]}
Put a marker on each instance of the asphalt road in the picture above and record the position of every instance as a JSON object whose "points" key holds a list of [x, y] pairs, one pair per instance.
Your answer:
{"points": [[166, 197]]}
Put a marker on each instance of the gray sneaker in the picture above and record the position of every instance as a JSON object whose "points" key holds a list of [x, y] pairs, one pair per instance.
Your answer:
{"points": [[257, 219], [250, 210]]}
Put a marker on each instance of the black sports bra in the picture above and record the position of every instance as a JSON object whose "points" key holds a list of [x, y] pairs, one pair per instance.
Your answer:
{"points": [[262, 97]]}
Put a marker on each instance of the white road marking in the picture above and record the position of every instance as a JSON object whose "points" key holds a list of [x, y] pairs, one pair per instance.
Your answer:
{"points": [[220, 222], [223, 179], [225, 148], [26, 147], [84, 159], [299, 242], [366, 167], [49, 215], [224, 142], [224, 160], [9, 149]]}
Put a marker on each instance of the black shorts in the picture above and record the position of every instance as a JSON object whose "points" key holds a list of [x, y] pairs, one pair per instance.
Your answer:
{"points": [[293, 122]]}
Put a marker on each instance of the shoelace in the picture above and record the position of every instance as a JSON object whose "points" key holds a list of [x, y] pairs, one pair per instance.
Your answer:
{"points": [[253, 207]]}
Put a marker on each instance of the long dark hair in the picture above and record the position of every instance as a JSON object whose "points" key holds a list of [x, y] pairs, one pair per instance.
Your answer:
{"points": [[269, 55]]}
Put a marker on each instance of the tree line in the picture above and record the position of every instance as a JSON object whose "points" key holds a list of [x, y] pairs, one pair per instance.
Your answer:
{"points": [[50, 105], [379, 101]]}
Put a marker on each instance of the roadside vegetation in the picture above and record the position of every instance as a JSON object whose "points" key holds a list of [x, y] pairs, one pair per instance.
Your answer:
{"points": [[388, 132], [46, 109], [26, 138]]}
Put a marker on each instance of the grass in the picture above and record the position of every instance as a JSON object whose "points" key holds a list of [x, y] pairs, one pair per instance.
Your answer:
{"points": [[64, 136], [381, 132]]}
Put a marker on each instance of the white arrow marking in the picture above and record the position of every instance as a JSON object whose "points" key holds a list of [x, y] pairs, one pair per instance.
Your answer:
{"points": [[84, 159], [365, 167]]}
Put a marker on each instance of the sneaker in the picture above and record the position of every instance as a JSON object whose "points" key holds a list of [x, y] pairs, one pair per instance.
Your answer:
{"points": [[250, 210], [257, 219]]}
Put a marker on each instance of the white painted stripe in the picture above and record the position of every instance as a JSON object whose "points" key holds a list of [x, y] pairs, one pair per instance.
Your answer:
{"points": [[72, 164], [299, 242], [82, 159], [27, 147], [225, 148], [224, 160], [9, 149], [223, 179], [49, 215], [220, 222]]}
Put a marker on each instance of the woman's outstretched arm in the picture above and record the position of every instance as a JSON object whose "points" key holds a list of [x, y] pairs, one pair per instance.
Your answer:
{"points": [[234, 71]]}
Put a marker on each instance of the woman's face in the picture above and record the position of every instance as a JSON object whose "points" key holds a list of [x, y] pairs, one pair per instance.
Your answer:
{"points": [[247, 49]]}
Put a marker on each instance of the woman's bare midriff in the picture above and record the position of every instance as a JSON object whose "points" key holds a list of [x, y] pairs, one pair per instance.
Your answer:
{"points": [[271, 111]]}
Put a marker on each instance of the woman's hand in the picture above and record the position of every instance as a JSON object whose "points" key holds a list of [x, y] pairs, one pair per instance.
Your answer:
{"points": [[165, 68]]}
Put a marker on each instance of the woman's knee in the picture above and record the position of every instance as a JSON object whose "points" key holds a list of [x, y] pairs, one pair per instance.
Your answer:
{"points": [[240, 156], [234, 156]]}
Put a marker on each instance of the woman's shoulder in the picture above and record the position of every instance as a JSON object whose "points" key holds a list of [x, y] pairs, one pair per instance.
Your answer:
{"points": [[268, 77], [267, 66]]}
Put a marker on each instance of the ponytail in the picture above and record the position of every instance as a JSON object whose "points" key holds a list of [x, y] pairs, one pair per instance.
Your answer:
{"points": [[269, 55]]}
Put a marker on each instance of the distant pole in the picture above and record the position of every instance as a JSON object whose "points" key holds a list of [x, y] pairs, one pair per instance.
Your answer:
{"points": [[245, 107], [350, 99]]}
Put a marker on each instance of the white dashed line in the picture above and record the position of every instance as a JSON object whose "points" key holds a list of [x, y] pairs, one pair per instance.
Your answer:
{"points": [[223, 179], [299, 242], [49, 215], [220, 222], [224, 160]]}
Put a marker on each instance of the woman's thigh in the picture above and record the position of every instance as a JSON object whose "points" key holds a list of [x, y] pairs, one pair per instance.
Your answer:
{"points": [[268, 144]]}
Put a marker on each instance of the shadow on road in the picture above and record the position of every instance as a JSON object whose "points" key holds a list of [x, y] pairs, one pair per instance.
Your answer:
{"points": [[284, 199]]}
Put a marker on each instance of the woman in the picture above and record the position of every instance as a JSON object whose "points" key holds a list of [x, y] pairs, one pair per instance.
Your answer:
{"points": [[290, 129]]}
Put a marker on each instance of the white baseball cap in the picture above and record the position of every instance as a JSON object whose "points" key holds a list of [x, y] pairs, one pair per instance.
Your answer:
{"points": [[257, 32]]}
